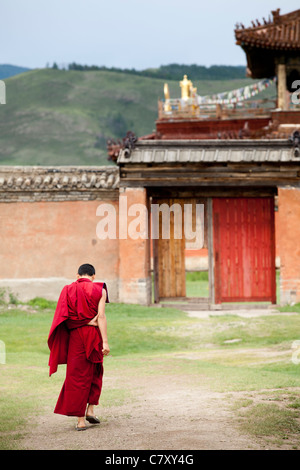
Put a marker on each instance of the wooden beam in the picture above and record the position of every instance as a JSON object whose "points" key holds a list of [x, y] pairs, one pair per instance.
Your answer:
{"points": [[281, 87], [211, 274]]}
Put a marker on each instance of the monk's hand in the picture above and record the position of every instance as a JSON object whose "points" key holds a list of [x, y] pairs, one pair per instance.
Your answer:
{"points": [[93, 322], [105, 350]]}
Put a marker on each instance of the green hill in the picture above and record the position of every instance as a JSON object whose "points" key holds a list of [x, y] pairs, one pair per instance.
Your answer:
{"points": [[60, 117]]}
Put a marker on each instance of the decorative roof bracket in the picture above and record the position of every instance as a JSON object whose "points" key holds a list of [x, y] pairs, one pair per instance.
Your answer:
{"points": [[295, 140]]}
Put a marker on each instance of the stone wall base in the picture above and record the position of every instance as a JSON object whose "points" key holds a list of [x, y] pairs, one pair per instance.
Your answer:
{"points": [[135, 291], [289, 291], [50, 288]]}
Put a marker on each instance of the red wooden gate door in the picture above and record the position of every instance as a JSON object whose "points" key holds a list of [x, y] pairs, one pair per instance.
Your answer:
{"points": [[244, 249]]}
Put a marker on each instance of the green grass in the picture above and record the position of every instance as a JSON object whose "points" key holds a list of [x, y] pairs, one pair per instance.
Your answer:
{"points": [[196, 276], [148, 341], [197, 284], [53, 117], [272, 422], [41, 303], [290, 308]]}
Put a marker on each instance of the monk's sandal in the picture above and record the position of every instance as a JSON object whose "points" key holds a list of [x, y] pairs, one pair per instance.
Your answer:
{"points": [[92, 419]]}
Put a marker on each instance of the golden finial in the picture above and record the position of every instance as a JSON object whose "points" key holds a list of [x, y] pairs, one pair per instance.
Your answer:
{"points": [[166, 91], [167, 106], [186, 87]]}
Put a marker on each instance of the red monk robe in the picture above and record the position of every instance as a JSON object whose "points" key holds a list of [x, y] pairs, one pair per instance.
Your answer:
{"points": [[71, 341]]}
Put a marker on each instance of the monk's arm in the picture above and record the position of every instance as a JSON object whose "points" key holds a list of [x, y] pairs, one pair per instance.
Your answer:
{"points": [[102, 323]]}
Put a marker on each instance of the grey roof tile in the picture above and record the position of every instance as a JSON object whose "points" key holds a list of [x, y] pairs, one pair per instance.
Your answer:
{"points": [[210, 152]]}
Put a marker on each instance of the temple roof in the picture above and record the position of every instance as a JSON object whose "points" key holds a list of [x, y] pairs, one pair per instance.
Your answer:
{"points": [[160, 152], [63, 183], [281, 33]]}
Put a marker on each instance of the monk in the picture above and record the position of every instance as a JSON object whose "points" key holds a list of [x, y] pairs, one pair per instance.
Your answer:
{"points": [[78, 338]]}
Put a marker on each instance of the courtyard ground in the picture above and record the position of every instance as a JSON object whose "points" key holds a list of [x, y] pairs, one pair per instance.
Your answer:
{"points": [[174, 381]]}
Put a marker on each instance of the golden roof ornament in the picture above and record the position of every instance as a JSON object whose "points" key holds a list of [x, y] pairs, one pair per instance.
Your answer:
{"points": [[186, 88], [166, 91], [167, 106]]}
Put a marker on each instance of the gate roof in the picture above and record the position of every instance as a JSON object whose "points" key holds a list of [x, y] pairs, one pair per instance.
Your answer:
{"points": [[209, 151]]}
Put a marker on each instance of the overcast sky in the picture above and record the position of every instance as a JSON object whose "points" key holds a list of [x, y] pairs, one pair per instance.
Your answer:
{"points": [[127, 33]]}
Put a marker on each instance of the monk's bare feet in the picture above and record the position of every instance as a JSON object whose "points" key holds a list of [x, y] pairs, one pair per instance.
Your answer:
{"points": [[90, 415], [90, 410], [81, 423]]}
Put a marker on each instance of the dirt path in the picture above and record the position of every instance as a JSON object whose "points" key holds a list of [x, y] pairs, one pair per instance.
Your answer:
{"points": [[163, 413]]}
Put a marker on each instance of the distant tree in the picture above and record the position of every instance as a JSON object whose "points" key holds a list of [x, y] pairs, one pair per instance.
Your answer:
{"points": [[175, 71], [55, 66]]}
